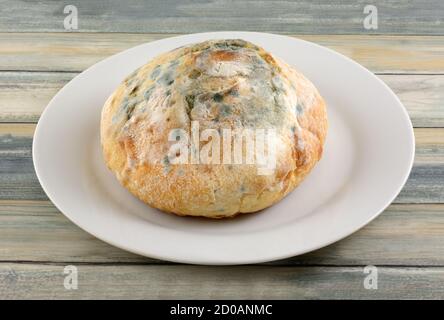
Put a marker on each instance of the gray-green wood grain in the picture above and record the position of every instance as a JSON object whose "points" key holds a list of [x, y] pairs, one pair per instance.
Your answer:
{"points": [[169, 16], [408, 235], [45, 281]]}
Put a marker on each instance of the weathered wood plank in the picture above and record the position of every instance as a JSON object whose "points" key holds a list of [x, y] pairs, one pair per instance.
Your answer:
{"points": [[37, 231], [17, 175], [19, 182], [77, 51], [422, 95], [37, 281], [429, 146], [303, 16], [409, 235], [24, 95]]}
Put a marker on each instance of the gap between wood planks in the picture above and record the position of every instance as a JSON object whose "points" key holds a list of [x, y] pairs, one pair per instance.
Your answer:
{"points": [[274, 264]]}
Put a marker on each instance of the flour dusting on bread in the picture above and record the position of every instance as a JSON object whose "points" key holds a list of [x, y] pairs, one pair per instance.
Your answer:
{"points": [[219, 84]]}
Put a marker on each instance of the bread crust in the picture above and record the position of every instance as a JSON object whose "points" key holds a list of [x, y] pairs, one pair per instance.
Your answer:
{"points": [[220, 84]]}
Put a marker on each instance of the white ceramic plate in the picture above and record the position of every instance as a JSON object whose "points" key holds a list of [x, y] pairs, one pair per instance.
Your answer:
{"points": [[368, 156]]}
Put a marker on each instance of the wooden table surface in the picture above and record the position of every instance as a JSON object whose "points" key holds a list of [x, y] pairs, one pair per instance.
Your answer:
{"points": [[38, 56]]}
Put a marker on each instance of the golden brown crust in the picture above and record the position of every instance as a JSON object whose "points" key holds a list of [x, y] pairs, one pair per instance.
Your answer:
{"points": [[219, 84]]}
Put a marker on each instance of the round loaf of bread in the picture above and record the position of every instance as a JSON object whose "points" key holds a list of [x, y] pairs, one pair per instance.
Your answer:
{"points": [[213, 129]]}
